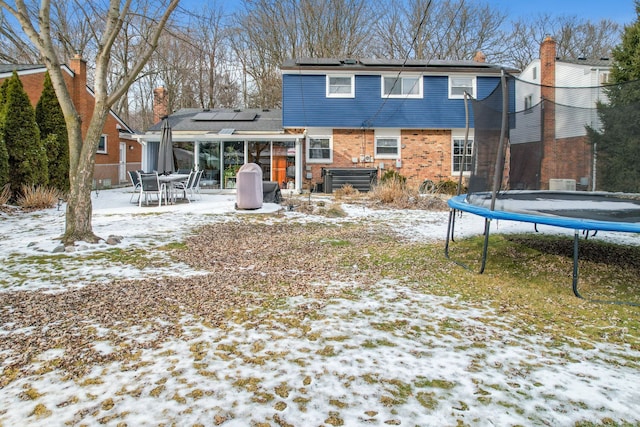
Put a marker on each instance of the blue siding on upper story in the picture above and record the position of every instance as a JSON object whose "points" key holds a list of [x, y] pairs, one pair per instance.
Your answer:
{"points": [[305, 104]]}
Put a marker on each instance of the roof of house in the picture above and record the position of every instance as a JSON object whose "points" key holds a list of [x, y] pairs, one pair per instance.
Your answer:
{"points": [[223, 120], [376, 64], [593, 62], [35, 68], [9, 68]]}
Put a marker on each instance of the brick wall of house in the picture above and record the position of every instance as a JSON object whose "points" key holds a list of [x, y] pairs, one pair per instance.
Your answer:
{"points": [[425, 154], [562, 158]]}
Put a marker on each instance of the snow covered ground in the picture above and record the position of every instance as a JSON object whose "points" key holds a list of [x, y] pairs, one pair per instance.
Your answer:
{"points": [[390, 355]]}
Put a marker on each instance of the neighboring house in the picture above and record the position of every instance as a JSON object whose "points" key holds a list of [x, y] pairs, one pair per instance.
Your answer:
{"points": [[384, 114], [557, 98], [219, 141], [118, 152]]}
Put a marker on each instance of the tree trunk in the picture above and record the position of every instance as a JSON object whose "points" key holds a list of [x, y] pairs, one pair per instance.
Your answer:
{"points": [[82, 160]]}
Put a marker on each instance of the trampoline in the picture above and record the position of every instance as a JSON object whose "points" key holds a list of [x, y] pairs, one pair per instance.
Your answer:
{"points": [[517, 156], [586, 211]]}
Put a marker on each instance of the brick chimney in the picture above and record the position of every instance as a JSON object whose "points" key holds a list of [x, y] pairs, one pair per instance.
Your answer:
{"points": [[160, 104], [79, 68], [548, 62], [549, 162], [480, 57], [78, 89]]}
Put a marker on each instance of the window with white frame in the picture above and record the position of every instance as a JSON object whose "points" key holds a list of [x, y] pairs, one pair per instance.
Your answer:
{"points": [[387, 144], [387, 147], [461, 155], [340, 87], [458, 85], [102, 145], [319, 149], [402, 86]]}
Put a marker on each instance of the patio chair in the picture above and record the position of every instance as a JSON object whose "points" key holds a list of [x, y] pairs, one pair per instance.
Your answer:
{"points": [[192, 185], [149, 185], [135, 181], [195, 188], [183, 186]]}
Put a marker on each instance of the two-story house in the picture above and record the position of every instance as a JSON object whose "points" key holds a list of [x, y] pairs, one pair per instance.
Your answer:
{"points": [[556, 100], [118, 152], [384, 114]]}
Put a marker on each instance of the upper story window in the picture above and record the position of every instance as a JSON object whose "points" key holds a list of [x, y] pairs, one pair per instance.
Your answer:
{"points": [[534, 73], [319, 149], [528, 102], [340, 87], [387, 144], [458, 85], [102, 145], [604, 78], [402, 86]]}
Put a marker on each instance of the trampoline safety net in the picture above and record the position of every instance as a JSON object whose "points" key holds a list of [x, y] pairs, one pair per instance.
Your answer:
{"points": [[557, 138]]}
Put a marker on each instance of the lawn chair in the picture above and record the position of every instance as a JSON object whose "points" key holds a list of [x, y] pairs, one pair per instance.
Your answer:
{"points": [[149, 185], [191, 185], [135, 181], [195, 188], [185, 185]]}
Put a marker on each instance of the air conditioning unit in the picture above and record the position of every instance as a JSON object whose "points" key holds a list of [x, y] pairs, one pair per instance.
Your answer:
{"points": [[368, 158], [562, 184]]}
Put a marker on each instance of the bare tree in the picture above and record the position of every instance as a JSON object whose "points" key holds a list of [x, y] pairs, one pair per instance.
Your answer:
{"points": [[268, 32], [576, 38], [38, 28], [14, 49], [449, 29]]}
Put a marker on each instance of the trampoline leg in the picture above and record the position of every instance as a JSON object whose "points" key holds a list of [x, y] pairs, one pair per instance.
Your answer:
{"points": [[576, 240], [449, 232], [487, 224], [452, 214]]}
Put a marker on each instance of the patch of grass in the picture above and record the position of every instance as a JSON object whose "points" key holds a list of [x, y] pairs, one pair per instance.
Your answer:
{"points": [[390, 326], [529, 277], [327, 351], [427, 400], [41, 411], [400, 393], [30, 394], [283, 390], [382, 342], [422, 382]]}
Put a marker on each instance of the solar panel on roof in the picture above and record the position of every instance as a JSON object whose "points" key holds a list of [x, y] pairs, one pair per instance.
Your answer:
{"points": [[204, 116], [245, 116], [226, 131], [317, 61], [224, 116]]}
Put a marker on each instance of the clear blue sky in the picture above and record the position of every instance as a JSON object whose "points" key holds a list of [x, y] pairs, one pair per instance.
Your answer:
{"points": [[620, 11]]}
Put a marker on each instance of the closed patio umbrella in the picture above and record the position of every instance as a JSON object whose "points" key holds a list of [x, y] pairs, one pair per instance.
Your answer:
{"points": [[165, 153]]}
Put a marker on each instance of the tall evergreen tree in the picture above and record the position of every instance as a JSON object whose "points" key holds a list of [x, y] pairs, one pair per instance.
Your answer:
{"points": [[4, 155], [27, 156], [53, 133], [617, 144]]}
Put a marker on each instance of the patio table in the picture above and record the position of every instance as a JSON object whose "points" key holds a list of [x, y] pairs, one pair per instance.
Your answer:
{"points": [[169, 180]]}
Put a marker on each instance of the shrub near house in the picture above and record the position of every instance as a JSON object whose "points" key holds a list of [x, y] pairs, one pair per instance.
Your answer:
{"points": [[27, 159]]}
